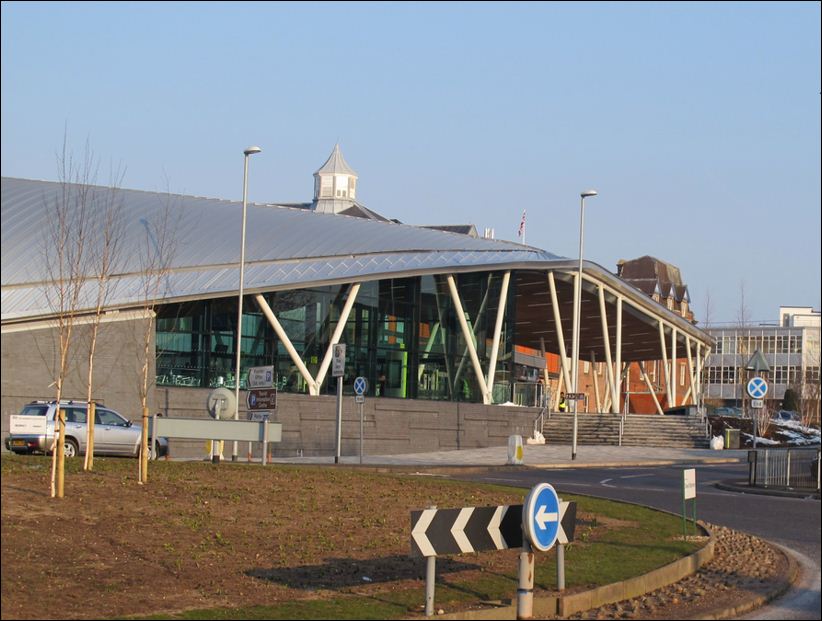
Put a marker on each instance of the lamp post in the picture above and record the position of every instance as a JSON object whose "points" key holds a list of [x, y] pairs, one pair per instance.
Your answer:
{"points": [[239, 343], [577, 309]]}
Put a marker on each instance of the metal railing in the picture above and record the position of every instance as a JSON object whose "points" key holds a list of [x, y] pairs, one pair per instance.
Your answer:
{"points": [[784, 467], [529, 394]]}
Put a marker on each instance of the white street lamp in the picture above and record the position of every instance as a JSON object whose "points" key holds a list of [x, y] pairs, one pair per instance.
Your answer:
{"points": [[239, 344], [577, 309]]}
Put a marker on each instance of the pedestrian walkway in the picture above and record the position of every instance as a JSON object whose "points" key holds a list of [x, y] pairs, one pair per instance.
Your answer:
{"points": [[542, 456]]}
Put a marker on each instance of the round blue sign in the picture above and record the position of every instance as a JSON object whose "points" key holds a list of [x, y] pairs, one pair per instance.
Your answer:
{"points": [[757, 388], [540, 517], [360, 386]]}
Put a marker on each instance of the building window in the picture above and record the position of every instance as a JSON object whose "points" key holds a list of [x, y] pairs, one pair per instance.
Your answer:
{"points": [[681, 374], [729, 375], [812, 374], [795, 343]]}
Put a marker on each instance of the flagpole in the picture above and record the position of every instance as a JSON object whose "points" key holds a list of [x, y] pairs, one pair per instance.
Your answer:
{"points": [[521, 232]]}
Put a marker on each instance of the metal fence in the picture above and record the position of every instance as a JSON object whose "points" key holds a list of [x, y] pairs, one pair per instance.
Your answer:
{"points": [[784, 467], [529, 394]]}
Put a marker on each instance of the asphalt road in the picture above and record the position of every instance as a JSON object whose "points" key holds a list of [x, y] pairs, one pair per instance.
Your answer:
{"points": [[793, 523]]}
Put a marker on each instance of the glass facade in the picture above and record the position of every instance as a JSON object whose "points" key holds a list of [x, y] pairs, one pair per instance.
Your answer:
{"points": [[403, 335]]}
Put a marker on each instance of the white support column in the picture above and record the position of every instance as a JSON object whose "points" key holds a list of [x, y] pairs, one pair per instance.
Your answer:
{"points": [[674, 368], [692, 389], [313, 388], [503, 300], [619, 350], [544, 369], [561, 387], [468, 336], [474, 326], [443, 341], [563, 356], [335, 338], [665, 363], [429, 344], [701, 358], [606, 340], [606, 404], [650, 388], [596, 382]]}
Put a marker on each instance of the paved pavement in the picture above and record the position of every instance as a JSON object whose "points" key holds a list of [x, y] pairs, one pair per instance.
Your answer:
{"points": [[543, 456]]}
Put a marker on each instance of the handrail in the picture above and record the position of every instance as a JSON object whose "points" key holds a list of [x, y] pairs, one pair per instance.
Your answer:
{"points": [[539, 421]]}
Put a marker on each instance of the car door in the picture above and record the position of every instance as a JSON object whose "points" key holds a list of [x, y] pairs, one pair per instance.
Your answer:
{"points": [[76, 426], [113, 434]]}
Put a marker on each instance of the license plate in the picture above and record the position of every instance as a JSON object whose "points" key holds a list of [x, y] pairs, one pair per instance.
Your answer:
{"points": [[18, 443]]}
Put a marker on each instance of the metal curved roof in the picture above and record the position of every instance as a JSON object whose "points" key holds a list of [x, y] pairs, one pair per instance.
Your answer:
{"points": [[285, 247]]}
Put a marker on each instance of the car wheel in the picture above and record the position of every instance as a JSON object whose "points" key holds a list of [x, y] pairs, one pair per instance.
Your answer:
{"points": [[71, 449]]}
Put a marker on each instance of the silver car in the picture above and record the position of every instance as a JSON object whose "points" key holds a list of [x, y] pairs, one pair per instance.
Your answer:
{"points": [[113, 433]]}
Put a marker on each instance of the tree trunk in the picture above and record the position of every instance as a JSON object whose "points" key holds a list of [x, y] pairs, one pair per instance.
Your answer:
{"points": [[61, 460], [144, 448]]}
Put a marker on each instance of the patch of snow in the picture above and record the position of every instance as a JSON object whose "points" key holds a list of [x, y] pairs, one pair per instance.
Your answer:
{"points": [[763, 441]]}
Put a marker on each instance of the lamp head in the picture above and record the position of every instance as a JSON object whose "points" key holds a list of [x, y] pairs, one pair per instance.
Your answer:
{"points": [[252, 150], [588, 193]]}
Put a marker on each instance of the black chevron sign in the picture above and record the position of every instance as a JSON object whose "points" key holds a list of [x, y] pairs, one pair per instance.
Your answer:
{"points": [[472, 529], [436, 532]]}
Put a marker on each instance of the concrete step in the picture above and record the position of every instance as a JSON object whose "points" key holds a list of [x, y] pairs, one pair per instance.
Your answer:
{"points": [[683, 432]]}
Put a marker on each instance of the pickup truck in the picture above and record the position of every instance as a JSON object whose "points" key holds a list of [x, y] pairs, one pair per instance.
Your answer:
{"points": [[32, 431]]}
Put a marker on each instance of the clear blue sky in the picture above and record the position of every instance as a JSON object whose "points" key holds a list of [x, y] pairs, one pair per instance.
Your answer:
{"points": [[699, 124]]}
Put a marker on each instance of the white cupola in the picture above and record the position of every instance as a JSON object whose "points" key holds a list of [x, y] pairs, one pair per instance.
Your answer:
{"points": [[335, 184]]}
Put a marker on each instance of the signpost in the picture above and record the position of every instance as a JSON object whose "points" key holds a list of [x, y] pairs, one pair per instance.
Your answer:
{"points": [[688, 493], [338, 370], [262, 395], [575, 396], [220, 401], [360, 388], [436, 532], [757, 387]]}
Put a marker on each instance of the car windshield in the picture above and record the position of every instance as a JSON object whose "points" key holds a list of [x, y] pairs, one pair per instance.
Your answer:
{"points": [[34, 410]]}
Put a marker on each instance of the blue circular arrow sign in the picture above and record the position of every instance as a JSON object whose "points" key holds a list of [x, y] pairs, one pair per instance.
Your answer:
{"points": [[540, 517], [757, 388]]}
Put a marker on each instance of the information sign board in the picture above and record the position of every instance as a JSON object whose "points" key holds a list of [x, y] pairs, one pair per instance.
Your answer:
{"points": [[261, 377], [689, 483], [338, 364], [262, 399]]}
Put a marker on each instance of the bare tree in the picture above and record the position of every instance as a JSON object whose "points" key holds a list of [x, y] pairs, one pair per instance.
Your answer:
{"points": [[708, 314], [761, 418], [104, 242], [64, 255], [742, 313], [156, 255]]}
